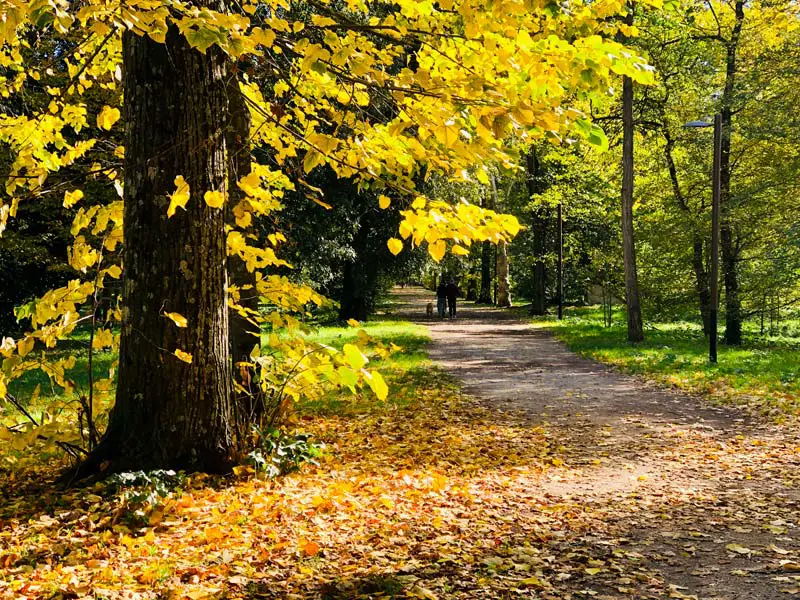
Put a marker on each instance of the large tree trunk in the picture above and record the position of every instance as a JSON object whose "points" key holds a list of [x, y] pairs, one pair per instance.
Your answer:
{"points": [[635, 330], [730, 251], [539, 230], [170, 413]]}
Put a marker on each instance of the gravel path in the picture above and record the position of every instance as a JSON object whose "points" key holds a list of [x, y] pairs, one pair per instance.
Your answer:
{"points": [[706, 495]]}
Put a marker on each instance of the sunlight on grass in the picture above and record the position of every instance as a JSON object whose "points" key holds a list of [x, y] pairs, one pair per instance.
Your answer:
{"points": [[764, 373]]}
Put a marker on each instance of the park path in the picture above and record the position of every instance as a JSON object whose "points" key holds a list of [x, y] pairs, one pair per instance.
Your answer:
{"points": [[707, 496]]}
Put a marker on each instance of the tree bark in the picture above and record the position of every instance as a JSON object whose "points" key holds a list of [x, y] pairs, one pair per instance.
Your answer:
{"points": [[730, 252], [539, 231], [635, 330], [170, 413], [503, 282]]}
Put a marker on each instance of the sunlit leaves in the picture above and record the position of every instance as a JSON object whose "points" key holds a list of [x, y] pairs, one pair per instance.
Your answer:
{"points": [[395, 246], [107, 117], [183, 356], [214, 198], [177, 318], [71, 198], [179, 197]]}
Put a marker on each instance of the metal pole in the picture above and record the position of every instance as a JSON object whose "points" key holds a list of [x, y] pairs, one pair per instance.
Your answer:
{"points": [[560, 260], [714, 275]]}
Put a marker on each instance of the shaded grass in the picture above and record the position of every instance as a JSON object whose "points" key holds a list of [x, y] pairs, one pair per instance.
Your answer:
{"points": [[764, 373]]}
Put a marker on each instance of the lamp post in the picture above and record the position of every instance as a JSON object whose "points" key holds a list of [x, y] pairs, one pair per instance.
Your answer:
{"points": [[560, 283], [714, 274]]}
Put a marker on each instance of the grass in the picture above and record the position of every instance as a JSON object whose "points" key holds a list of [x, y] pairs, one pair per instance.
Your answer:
{"points": [[405, 370], [764, 373]]}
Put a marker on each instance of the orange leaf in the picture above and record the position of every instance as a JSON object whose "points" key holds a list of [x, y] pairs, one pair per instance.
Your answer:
{"points": [[311, 548]]}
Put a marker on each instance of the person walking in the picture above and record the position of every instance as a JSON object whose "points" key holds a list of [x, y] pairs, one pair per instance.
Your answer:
{"points": [[452, 294], [441, 299]]}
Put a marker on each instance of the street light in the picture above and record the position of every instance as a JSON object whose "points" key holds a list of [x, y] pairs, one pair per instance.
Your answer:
{"points": [[714, 275]]}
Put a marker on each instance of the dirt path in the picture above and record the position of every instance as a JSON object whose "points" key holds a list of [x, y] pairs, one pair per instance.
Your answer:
{"points": [[703, 498]]}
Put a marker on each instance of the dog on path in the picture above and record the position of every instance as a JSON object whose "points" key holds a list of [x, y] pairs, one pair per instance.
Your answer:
{"points": [[429, 309]]}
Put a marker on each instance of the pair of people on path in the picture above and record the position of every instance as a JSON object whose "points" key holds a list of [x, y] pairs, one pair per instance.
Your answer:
{"points": [[446, 295]]}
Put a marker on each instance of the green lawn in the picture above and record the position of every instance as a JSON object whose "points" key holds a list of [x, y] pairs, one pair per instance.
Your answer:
{"points": [[403, 369], [764, 373]]}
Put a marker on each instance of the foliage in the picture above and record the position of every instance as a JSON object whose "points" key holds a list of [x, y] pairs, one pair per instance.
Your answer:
{"points": [[451, 82], [145, 490], [278, 453]]}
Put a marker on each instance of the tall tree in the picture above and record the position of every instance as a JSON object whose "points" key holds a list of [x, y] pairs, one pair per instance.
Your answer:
{"points": [[728, 243], [635, 330], [172, 409]]}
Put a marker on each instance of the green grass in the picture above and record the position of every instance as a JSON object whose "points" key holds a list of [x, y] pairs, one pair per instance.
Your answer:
{"points": [[405, 370], [764, 373]]}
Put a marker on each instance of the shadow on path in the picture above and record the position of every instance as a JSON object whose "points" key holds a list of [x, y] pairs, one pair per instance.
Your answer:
{"points": [[679, 478]]}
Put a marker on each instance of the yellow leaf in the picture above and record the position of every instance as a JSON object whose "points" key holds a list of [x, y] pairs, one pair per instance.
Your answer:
{"points": [[213, 533], [378, 385], [353, 323], [460, 250], [354, 356], [177, 318], [593, 570], [72, 198], [738, 549], [214, 199], [184, 356], [384, 201], [114, 271], [437, 250], [534, 581], [107, 117], [395, 246], [179, 197]]}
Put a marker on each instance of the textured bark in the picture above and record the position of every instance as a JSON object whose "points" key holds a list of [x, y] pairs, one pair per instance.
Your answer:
{"points": [[539, 230], [730, 251], [635, 330], [170, 414]]}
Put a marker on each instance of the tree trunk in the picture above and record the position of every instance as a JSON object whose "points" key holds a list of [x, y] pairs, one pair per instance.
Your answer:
{"points": [[730, 252], [635, 330], [170, 413], [501, 264], [539, 230], [503, 283]]}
